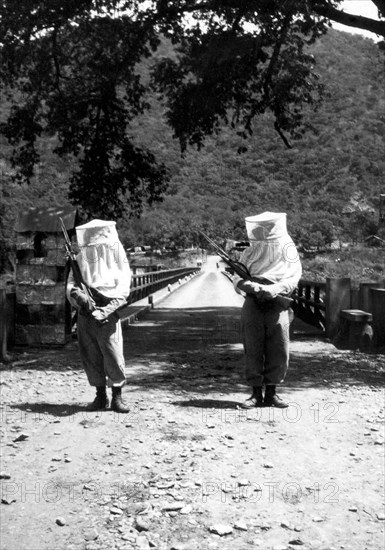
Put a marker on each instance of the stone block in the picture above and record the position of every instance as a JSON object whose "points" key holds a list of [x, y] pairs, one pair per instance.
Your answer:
{"points": [[25, 241], [40, 335], [46, 313], [355, 330], [39, 273], [36, 294], [53, 334]]}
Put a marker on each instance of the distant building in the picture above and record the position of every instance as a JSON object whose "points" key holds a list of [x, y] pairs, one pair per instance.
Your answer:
{"points": [[139, 249], [357, 203], [374, 240]]}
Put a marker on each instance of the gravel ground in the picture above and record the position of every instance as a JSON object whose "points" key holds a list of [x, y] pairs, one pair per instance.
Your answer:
{"points": [[187, 468]]}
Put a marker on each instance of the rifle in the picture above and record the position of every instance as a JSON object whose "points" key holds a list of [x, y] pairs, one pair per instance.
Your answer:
{"points": [[75, 267], [241, 270]]}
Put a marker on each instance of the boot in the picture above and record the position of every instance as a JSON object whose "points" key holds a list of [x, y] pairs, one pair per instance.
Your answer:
{"points": [[272, 399], [101, 400], [117, 403], [255, 400]]}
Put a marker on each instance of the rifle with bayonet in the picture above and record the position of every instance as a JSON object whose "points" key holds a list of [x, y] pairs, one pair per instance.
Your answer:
{"points": [[241, 270], [71, 254]]}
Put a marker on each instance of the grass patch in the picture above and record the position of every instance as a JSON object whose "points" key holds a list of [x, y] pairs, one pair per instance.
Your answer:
{"points": [[359, 263]]}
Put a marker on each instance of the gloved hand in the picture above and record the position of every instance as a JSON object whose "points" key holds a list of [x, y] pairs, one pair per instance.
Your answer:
{"points": [[249, 287], [81, 300], [100, 315], [266, 293], [104, 314]]}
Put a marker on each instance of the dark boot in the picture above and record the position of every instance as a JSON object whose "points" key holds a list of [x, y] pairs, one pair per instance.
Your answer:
{"points": [[255, 400], [117, 403], [101, 400], [272, 399]]}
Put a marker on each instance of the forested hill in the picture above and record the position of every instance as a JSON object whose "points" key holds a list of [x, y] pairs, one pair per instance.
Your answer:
{"points": [[341, 158], [341, 155]]}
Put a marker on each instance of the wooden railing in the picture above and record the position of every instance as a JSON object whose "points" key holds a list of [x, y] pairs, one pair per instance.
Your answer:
{"points": [[310, 303], [142, 285], [147, 283], [316, 303]]}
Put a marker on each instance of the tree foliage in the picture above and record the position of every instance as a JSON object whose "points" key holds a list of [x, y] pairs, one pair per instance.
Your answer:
{"points": [[72, 69], [338, 164], [74, 72]]}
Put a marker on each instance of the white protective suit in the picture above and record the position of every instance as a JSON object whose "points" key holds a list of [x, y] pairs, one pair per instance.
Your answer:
{"points": [[275, 268], [105, 270]]}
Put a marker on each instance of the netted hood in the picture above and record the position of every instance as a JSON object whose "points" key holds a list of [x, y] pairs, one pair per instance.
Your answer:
{"points": [[97, 232], [102, 259], [266, 226]]}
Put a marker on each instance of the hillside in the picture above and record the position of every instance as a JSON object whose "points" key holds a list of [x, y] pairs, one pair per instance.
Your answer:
{"points": [[341, 155]]}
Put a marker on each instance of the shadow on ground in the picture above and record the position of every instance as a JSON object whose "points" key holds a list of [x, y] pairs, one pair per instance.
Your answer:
{"points": [[60, 359], [200, 350], [42, 410], [208, 403]]}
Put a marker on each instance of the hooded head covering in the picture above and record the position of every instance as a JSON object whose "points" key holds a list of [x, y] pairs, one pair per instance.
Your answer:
{"points": [[102, 259], [266, 227], [272, 254]]}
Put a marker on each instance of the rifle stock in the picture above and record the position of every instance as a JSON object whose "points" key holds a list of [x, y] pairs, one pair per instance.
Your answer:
{"points": [[284, 301]]}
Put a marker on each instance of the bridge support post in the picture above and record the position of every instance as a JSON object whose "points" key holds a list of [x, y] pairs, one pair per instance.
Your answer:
{"points": [[3, 324], [337, 298], [378, 311], [366, 297], [355, 330]]}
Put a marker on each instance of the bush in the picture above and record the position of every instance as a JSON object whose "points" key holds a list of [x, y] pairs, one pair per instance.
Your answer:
{"points": [[358, 263]]}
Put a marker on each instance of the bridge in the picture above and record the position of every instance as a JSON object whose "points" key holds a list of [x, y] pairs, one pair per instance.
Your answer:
{"points": [[329, 308], [201, 306]]}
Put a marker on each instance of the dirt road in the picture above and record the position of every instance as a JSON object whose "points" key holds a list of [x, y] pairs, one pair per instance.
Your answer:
{"points": [[186, 468]]}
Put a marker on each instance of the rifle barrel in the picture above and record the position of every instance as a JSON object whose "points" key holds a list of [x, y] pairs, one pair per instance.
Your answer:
{"points": [[220, 250]]}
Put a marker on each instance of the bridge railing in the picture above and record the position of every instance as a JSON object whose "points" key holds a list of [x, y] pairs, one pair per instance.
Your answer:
{"points": [[320, 304], [142, 285], [310, 303], [145, 284]]}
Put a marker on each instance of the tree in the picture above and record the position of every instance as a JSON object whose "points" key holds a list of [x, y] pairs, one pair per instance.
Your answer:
{"points": [[74, 69], [71, 73], [361, 224]]}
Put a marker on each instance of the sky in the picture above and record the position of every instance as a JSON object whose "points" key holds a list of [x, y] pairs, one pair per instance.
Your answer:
{"points": [[359, 7]]}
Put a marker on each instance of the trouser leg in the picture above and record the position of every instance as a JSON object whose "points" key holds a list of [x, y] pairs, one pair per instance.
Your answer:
{"points": [[253, 329], [90, 352], [110, 339], [276, 345]]}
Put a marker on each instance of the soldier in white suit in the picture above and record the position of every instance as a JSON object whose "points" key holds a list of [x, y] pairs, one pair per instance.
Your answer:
{"points": [[105, 270], [275, 268]]}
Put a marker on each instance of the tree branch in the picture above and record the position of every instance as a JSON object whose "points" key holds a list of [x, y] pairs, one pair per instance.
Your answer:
{"points": [[282, 135], [323, 10], [350, 20], [275, 55]]}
